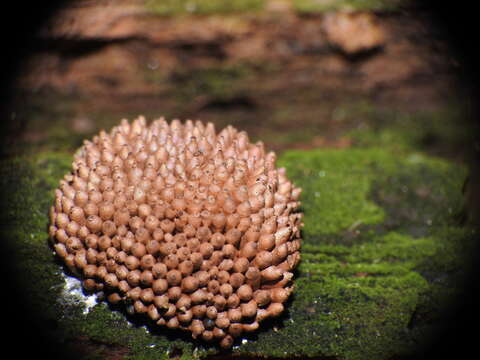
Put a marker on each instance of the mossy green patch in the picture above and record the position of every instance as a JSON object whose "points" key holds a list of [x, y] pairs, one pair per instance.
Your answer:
{"points": [[202, 7], [27, 191], [382, 255], [319, 6], [441, 131], [348, 205], [211, 7], [214, 82], [44, 121]]}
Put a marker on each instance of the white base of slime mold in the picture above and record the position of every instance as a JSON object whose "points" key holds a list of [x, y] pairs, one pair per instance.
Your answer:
{"points": [[72, 293]]}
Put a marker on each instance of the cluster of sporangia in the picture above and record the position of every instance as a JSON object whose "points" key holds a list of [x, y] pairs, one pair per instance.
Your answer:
{"points": [[197, 230]]}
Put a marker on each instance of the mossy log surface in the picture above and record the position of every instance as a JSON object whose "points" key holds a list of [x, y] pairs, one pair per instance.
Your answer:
{"points": [[210, 7], [383, 254]]}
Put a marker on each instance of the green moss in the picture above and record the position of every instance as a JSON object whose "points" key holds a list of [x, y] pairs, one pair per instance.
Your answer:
{"points": [[209, 7], [45, 123], [347, 206], [367, 287], [387, 269], [441, 131], [319, 6], [202, 7], [26, 194], [214, 83]]}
